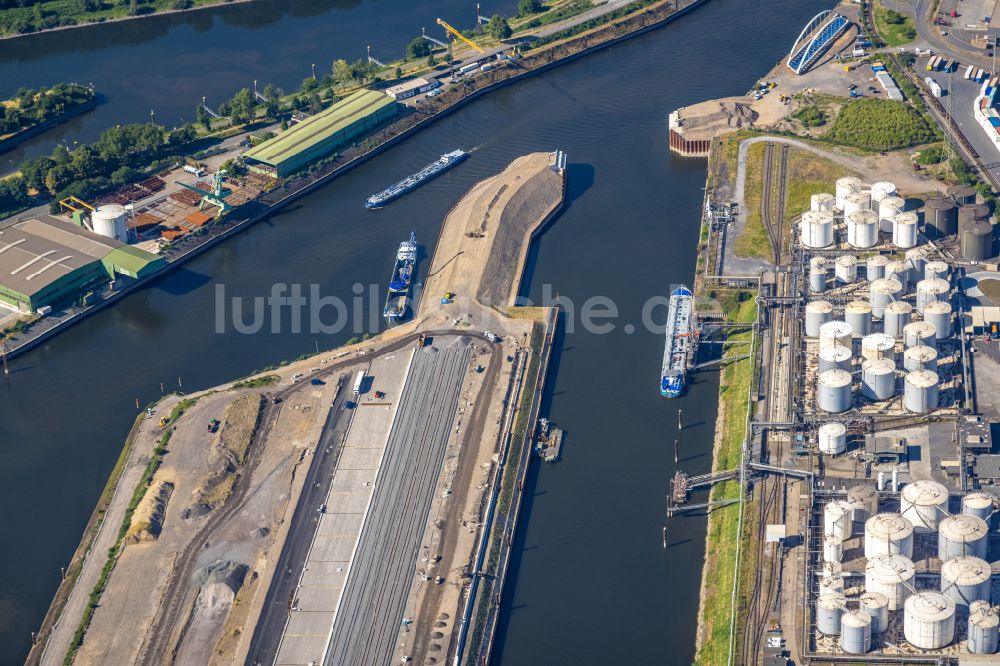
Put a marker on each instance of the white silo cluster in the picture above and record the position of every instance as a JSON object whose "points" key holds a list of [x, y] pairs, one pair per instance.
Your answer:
{"points": [[924, 504], [918, 333], [929, 620], [904, 230], [862, 229], [816, 229], [822, 203], [845, 187]]}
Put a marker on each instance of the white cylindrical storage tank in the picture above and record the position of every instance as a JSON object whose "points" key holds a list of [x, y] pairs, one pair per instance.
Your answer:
{"points": [[984, 628], [831, 568], [816, 229], [857, 201], [856, 632], [924, 504], [878, 379], [858, 314], [832, 439], [882, 189], [891, 575], [833, 549], [920, 357], [920, 391], [916, 258], [904, 230], [862, 228], [875, 267], [110, 220], [978, 504], [929, 291], [844, 187], [900, 270], [837, 519], [817, 274], [864, 502], [833, 391], [829, 610], [960, 535], [920, 333], [817, 314], [882, 292], [829, 584], [878, 345], [835, 333], [936, 269], [938, 313], [895, 317], [888, 208], [929, 620], [822, 202], [845, 268], [834, 358], [877, 606], [888, 534], [966, 579]]}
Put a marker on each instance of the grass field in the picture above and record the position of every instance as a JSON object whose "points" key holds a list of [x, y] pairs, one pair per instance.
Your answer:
{"points": [[880, 124], [754, 242], [812, 174], [894, 28]]}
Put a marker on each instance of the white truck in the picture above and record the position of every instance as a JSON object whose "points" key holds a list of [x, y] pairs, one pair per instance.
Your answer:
{"points": [[359, 381]]}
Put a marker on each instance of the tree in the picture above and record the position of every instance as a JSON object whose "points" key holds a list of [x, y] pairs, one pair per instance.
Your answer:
{"points": [[86, 162], [418, 48], [272, 107], [309, 84], [203, 118], [58, 177], [342, 73], [241, 107], [34, 172], [182, 135], [431, 61], [399, 72], [526, 7], [122, 175], [13, 193], [498, 28]]}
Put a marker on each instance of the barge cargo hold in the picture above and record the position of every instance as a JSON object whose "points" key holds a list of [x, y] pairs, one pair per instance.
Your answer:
{"points": [[436, 168], [677, 348], [396, 301]]}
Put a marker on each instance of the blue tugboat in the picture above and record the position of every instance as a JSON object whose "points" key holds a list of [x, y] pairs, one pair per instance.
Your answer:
{"points": [[677, 349], [436, 168], [401, 280]]}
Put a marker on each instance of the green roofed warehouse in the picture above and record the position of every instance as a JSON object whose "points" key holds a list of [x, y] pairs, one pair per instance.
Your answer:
{"points": [[321, 134]]}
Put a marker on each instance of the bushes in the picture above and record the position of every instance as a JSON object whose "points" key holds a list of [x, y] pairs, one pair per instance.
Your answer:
{"points": [[880, 124], [932, 155], [810, 116]]}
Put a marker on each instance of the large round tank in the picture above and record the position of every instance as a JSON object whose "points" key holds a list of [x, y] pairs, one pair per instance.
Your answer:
{"points": [[917, 259], [864, 502], [822, 202], [966, 579], [817, 314], [920, 391], [900, 270], [888, 534], [878, 345], [856, 632], [882, 292], [837, 519], [940, 217], [817, 274], [962, 194], [832, 439], [904, 230], [896, 316], [875, 267], [829, 609], [831, 569], [882, 189], [888, 208], [816, 229], [890, 575], [833, 391], [834, 333], [976, 239], [877, 606], [858, 314], [845, 268], [857, 201], [924, 503], [962, 535], [862, 228], [845, 186], [110, 220], [834, 583], [920, 357], [878, 379], [984, 628], [929, 620], [920, 333], [936, 269], [979, 504], [973, 211], [928, 291], [833, 549], [938, 314], [834, 358]]}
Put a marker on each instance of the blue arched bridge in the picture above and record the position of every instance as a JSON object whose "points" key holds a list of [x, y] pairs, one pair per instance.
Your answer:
{"points": [[819, 33]]}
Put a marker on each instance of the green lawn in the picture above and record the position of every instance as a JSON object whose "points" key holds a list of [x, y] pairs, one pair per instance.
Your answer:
{"points": [[812, 175], [753, 241], [894, 28], [880, 124]]}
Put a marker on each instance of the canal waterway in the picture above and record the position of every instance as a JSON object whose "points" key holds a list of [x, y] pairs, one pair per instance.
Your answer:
{"points": [[591, 582]]}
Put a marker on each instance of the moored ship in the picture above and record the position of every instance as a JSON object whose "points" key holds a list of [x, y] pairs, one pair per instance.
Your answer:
{"points": [[396, 301], [677, 348], [436, 168]]}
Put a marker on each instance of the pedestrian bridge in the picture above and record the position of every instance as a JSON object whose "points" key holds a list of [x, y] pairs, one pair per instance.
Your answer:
{"points": [[819, 33]]}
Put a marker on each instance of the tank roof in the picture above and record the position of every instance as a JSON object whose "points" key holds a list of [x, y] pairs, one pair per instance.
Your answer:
{"points": [[979, 499], [832, 600], [863, 216], [899, 307], [939, 203], [833, 429], [817, 216], [886, 286], [966, 570], [938, 307], [878, 341], [893, 200], [921, 353], [836, 327], [856, 618], [906, 217], [920, 328], [929, 606], [858, 197], [983, 615], [935, 285], [835, 353], [878, 259], [922, 379], [859, 307], [879, 366], [819, 306], [924, 493], [873, 600], [889, 526], [890, 568], [963, 527], [847, 260], [835, 377]]}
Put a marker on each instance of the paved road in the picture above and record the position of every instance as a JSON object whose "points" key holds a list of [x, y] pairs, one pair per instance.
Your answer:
{"points": [[371, 607]]}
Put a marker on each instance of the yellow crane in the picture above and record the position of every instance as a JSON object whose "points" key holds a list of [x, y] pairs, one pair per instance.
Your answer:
{"points": [[456, 33]]}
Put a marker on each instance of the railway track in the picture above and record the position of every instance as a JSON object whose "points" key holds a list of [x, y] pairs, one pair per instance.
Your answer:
{"points": [[773, 193]]}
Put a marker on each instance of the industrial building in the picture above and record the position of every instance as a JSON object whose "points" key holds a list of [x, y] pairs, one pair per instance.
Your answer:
{"points": [[321, 134], [411, 88], [45, 262]]}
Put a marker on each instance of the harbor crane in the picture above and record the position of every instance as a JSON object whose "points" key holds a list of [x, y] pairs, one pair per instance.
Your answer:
{"points": [[214, 198], [452, 31]]}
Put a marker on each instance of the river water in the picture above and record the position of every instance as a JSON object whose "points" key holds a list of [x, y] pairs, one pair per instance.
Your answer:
{"points": [[591, 582]]}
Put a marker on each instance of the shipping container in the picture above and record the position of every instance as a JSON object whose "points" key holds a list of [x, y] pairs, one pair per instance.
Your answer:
{"points": [[968, 71], [471, 67], [359, 381]]}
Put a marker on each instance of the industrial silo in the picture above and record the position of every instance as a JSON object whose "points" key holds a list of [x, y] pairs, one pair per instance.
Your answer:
{"points": [[920, 391], [929, 620], [833, 391], [924, 503], [878, 379], [834, 358], [858, 314], [875, 267], [878, 345], [904, 230], [888, 534], [862, 228], [938, 314], [940, 217], [936, 269], [844, 187], [891, 575], [896, 316], [888, 208], [845, 268], [829, 609], [962, 194], [833, 549], [973, 211], [883, 292], [917, 259], [829, 584], [834, 333], [822, 202], [816, 229], [962, 535], [919, 333], [979, 504], [817, 314], [110, 220], [832, 438], [857, 201], [880, 190], [837, 519], [920, 357], [966, 579], [976, 239], [900, 270], [864, 502], [877, 606], [856, 632], [831, 569], [928, 291], [984, 628], [817, 274]]}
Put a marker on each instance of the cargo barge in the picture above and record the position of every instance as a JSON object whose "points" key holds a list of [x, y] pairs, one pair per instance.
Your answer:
{"points": [[436, 168], [677, 348], [396, 301]]}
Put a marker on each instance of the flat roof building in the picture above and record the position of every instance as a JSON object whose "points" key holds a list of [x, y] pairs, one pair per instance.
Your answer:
{"points": [[321, 134], [411, 88]]}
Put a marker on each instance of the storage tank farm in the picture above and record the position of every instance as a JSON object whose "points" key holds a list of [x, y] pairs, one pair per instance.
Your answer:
{"points": [[862, 229], [875, 267], [895, 317], [983, 628]]}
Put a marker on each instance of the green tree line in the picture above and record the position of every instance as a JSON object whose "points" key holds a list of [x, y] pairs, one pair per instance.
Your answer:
{"points": [[30, 107]]}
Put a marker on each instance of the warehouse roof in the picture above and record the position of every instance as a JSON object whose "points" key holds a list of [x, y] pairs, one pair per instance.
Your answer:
{"points": [[133, 262], [319, 127]]}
